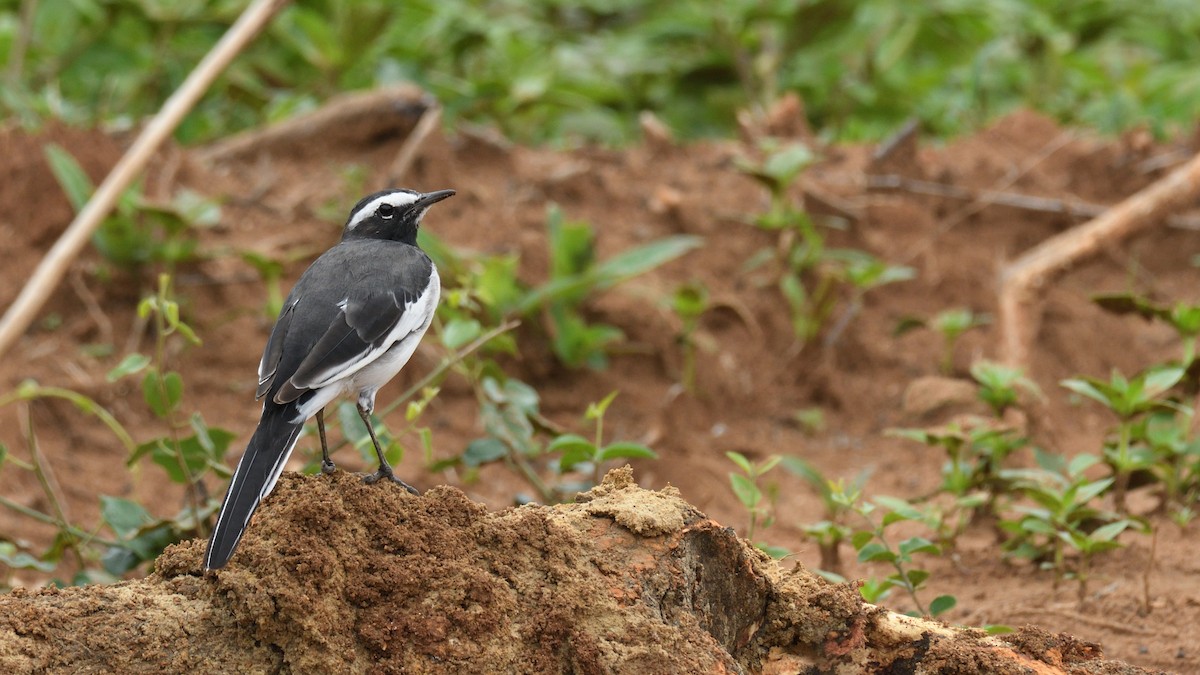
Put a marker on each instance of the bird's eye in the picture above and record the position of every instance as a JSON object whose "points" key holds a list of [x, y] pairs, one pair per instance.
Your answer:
{"points": [[386, 211]]}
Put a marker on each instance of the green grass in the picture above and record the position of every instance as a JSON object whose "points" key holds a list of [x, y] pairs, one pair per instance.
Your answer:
{"points": [[549, 71]]}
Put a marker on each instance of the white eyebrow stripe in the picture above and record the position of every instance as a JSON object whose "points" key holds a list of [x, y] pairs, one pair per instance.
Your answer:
{"points": [[397, 199]]}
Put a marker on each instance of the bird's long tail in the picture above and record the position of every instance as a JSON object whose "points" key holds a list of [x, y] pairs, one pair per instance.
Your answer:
{"points": [[256, 474]]}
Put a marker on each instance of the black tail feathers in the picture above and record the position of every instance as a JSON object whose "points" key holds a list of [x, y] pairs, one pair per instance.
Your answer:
{"points": [[253, 479]]}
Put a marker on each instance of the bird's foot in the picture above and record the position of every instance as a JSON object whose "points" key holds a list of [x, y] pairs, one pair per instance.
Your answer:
{"points": [[328, 467], [381, 474]]}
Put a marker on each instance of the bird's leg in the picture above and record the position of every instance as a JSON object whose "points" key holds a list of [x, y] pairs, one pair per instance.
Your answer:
{"points": [[385, 469], [327, 465]]}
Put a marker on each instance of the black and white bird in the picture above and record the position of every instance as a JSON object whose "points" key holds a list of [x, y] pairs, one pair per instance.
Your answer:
{"points": [[349, 325]]}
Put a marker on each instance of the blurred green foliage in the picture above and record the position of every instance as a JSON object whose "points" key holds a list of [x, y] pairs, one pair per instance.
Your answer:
{"points": [[552, 71]]}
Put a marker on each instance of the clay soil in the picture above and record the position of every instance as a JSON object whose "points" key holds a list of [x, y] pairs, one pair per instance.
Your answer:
{"points": [[752, 376]]}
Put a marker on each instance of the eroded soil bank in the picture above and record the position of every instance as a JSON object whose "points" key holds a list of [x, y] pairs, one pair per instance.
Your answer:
{"points": [[337, 576]]}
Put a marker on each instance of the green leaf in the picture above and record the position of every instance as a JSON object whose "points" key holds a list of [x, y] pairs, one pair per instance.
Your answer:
{"points": [[917, 545], [625, 450], [574, 449], [162, 395], [125, 517], [1088, 389], [740, 459], [17, 559], [597, 410], [1110, 531], [860, 539], [460, 332], [1161, 379], [131, 364], [745, 490], [1089, 491], [914, 578], [484, 450], [875, 552], [942, 604], [644, 258], [70, 175], [776, 552], [898, 509]]}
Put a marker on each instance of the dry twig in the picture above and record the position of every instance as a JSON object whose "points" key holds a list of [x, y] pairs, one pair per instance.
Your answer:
{"points": [[50, 271], [1024, 276], [353, 117]]}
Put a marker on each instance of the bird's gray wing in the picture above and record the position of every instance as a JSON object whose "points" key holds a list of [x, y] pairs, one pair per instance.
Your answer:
{"points": [[273, 353], [360, 333]]}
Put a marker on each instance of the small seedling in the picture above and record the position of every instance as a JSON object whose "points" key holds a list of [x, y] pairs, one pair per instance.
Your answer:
{"points": [[689, 302], [1000, 386], [951, 324], [185, 458], [1063, 516], [746, 487], [576, 451], [874, 545], [863, 273], [831, 532], [1130, 399], [1183, 317]]}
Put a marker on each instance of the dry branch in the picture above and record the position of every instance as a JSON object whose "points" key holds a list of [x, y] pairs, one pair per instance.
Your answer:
{"points": [[1021, 279], [336, 576], [52, 268], [352, 117], [1075, 208]]}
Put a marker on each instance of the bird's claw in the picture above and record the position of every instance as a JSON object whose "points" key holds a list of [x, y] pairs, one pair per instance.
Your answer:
{"points": [[371, 479], [328, 467]]}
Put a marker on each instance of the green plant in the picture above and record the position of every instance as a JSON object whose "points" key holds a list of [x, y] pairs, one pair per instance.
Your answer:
{"points": [[1176, 464], [863, 273], [689, 302], [488, 288], [139, 537], [544, 73], [186, 457], [951, 324], [1062, 516], [575, 276], [1130, 399], [834, 530], [1000, 386], [141, 231], [799, 254], [760, 506], [874, 545], [809, 275], [514, 426], [976, 453], [575, 450], [1183, 317]]}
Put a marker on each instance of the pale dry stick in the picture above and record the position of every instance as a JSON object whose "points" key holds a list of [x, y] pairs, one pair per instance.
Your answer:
{"points": [[1016, 200], [52, 268], [352, 116], [408, 152], [1021, 278]]}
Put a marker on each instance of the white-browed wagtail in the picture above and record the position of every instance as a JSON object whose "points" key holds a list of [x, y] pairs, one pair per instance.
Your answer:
{"points": [[349, 325]]}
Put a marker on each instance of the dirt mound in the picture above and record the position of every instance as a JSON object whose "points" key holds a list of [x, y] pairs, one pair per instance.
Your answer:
{"points": [[338, 576]]}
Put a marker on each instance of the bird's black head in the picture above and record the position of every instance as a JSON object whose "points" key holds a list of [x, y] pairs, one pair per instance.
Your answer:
{"points": [[391, 214]]}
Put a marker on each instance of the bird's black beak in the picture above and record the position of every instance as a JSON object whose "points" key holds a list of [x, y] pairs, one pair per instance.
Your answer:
{"points": [[430, 198]]}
